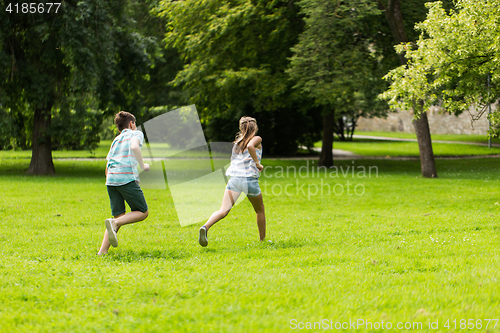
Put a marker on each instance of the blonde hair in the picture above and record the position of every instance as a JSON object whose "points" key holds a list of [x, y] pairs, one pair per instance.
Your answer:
{"points": [[248, 129]]}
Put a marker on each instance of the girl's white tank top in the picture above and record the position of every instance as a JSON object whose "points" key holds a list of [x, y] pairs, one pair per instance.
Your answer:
{"points": [[243, 165]]}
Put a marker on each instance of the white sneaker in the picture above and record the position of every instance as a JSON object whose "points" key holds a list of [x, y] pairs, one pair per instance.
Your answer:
{"points": [[203, 236], [111, 227]]}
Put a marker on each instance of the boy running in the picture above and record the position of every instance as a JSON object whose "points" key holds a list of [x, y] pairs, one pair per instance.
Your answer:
{"points": [[122, 179]]}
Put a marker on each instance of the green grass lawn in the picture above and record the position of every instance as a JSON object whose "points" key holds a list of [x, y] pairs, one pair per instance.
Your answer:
{"points": [[100, 152], [390, 148], [358, 146], [407, 250], [367, 147], [156, 149], [444, 137]]}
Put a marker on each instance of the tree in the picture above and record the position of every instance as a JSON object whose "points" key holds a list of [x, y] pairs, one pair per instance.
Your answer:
{"points": [[455, 54], [235, 55], [335, 63], [143, 85], [66, 64], [394, 15], [346, 122]]}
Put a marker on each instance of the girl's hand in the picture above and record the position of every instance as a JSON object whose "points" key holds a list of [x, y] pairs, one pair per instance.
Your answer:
{"points": [[259, 166]]}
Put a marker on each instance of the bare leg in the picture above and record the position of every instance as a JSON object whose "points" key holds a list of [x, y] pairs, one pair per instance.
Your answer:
{"points": [[258, 206], [131, 217], [105, 241], [228, 201], [120, 220]]}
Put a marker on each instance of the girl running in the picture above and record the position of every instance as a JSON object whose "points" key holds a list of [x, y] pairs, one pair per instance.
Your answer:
{"points": [[244, 172]]}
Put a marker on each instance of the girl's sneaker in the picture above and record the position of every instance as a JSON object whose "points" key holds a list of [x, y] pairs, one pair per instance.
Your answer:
{"points": [[203, 236], [111, 227]]}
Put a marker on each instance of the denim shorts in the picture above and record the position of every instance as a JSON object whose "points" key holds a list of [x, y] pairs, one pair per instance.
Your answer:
{"points": [[248, 185]]}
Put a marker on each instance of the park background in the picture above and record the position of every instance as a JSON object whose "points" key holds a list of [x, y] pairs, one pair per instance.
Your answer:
{"points": [[419, 244]]}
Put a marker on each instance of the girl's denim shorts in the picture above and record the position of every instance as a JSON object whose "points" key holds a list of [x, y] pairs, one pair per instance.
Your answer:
{"points": [[248, 185]]}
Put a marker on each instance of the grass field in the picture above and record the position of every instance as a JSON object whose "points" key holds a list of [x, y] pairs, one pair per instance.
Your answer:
{"points": [[395, 149], [407, 250], [362, 147], [100, 152], [443, 137], [155, 149], [370, 147]]}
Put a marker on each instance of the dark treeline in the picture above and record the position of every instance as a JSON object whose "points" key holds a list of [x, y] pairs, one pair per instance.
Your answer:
{"points": [[304, 69]]}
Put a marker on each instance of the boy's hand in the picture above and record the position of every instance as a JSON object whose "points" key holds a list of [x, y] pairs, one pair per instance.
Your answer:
{"points": [[259, 166], [146, 167]]}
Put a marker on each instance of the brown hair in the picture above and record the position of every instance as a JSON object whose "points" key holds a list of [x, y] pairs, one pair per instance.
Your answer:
{"points": [[123, 119], [248, 129]]}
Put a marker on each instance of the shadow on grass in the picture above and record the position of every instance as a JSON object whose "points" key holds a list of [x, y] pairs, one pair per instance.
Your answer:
{"points": [[477, 168], [209, 250], [73, 169], [134, 256]]}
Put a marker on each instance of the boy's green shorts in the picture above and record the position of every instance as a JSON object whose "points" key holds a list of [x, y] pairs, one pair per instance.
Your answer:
{"points": [[131, 193]]}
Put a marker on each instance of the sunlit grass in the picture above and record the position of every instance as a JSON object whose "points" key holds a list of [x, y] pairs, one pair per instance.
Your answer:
{"points": [[154, 150], [387, 148], [368, 147], [443, 137], [408, 249]]}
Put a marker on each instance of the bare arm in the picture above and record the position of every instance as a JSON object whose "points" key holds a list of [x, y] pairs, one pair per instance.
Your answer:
{"points": [[136, 150], [255, 142]]}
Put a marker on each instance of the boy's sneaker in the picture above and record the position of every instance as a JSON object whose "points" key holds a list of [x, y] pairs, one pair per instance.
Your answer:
{"points": [[203, 236], [111, 227]]}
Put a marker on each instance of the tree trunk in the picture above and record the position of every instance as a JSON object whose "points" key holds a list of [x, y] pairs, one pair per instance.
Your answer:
{"points": [[427, 162], [394, 16], [41, 156], [338, 128], [326, 157], [353, 127]]}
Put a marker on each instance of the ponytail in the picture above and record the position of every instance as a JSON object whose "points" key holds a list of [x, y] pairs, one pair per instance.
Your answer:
{"points": [[248, 129]]}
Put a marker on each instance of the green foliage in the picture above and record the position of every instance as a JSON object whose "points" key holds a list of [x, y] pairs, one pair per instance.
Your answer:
{"points": [[336, 61], [76, 129], [15, 129], [235, 55], [90, 59], [451, 61], [70, 129], [235, 45], [145, 65], [333, 52]]}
